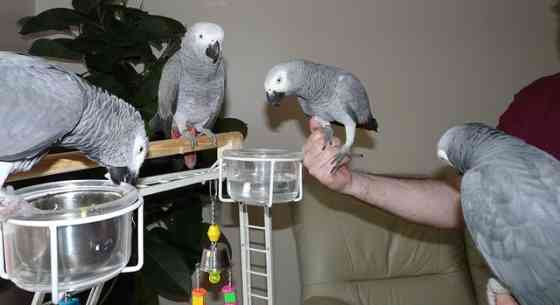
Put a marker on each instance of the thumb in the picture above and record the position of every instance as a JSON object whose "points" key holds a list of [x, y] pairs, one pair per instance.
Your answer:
{"points": [[314, 124]]}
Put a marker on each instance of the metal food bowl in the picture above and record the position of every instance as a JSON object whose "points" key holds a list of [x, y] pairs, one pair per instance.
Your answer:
{"points": [[262, 176], [91, 221]]}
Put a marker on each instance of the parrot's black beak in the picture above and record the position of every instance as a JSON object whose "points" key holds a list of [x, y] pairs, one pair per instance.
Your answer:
{"points": [[122, 174], [214, 52], [275, 97]]}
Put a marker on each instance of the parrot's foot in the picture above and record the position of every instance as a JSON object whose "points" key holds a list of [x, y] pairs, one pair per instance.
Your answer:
{"points": [[328, 135], [339, 158], [190, 137], [210, 135], [493, 289], [13, 205]]}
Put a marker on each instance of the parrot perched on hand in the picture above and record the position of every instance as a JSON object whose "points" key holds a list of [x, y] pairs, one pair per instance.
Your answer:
{"points": [[42, 104], [510, 196], [192, 85], [329, 94]]}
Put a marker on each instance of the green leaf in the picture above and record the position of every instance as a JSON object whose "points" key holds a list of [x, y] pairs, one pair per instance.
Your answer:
{"points": [[88, 45], [128, 14], [109, 83], [229, 125], [56, 19], [140, 52], [165, 269], [85, 6], [58, 48], [102, 62], [126, 74], [159, 28]]}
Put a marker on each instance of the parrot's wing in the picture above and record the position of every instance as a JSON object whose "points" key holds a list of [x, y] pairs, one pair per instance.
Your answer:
{"points": [[169, 88], [39, 104], [514, 218], [352, 96], [216, 96]]}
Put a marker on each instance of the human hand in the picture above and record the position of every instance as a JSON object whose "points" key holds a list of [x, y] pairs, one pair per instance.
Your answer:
{"points": [[505, 299], [318, 161]]}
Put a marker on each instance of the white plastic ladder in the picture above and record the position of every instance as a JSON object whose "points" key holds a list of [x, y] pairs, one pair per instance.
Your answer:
{"points": [[248, 249]]}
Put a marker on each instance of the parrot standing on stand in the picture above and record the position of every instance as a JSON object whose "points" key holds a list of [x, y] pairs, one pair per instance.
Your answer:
{"points": [[192, 85], [329, 94], [42, 104], [510, 196]]}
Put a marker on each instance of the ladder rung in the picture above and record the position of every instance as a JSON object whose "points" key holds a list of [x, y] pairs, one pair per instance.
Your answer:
{"points": [[259, 273], [258, 296], [256, 227], [258, 250]]}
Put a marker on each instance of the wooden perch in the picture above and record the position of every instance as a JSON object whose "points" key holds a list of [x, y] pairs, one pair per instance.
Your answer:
{"points": [[74, 161]]}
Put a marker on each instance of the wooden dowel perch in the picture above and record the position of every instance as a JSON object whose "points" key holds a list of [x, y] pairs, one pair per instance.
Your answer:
{"points": [[74, 161]]}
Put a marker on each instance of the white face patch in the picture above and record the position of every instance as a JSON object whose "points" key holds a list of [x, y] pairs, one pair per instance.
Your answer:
{"points": [[139, 153], [204, 34], [277, 81], [442, 155]]}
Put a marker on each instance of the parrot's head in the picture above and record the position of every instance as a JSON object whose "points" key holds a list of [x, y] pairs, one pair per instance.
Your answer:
{"points": [[464, 145], [207, 40], [118, 141], [133, 151], [281, 81]]}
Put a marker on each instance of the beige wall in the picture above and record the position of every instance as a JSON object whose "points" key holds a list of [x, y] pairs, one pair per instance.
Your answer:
{"points": [[427, 65], [10, 12]]}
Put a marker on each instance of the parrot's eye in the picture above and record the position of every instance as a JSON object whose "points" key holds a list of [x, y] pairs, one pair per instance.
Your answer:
{"points": [[200, 36], [141, 149], [278, 80]]}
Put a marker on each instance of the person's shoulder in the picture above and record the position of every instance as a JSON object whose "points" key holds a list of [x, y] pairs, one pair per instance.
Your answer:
{"points": [[544, 84]]}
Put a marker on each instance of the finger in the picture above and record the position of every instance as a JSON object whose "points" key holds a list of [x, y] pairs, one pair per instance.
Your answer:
{"points": [[314, 124], [336, 142], [314, 143]]}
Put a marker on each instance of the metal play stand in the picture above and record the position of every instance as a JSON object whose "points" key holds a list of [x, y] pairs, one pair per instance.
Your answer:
{"points": [[74, 161], [260, 178]]}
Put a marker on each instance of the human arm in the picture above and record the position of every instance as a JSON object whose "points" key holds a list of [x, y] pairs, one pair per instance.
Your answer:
{"points": [[426, 201]]}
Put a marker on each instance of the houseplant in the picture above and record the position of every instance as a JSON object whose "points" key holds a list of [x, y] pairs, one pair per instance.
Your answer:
{"points": [[124, 50]]}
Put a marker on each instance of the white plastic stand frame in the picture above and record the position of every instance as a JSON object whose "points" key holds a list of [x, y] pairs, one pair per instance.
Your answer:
{"points": [[53, 226], [247, 246]]}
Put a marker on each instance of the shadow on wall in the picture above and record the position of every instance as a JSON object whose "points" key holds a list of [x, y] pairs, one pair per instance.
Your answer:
{"points": [[289, 110]]}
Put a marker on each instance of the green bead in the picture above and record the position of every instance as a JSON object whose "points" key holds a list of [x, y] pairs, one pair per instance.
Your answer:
{"points": [[214, 277], [229, 297]]}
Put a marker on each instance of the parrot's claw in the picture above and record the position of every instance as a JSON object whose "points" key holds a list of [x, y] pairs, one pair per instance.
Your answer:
{"points": [[328, 134], [210, 135], [190, 138], [493, 288], [338, 159], [13, 205]]}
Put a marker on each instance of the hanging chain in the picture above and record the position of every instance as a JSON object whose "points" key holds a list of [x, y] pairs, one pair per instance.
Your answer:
{"points": [[213, 187]]}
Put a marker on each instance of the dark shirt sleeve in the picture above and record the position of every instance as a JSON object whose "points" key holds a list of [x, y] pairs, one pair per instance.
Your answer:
{"points": [[534, 115], [512, 120]]}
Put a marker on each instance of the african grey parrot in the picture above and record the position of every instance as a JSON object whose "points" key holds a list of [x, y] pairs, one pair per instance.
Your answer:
{"points": [[327, 93], [191, 89], [42, 104], [510, 195]]}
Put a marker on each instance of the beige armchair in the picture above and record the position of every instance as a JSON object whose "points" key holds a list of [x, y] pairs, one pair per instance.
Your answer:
{"points": [[353, 254]]}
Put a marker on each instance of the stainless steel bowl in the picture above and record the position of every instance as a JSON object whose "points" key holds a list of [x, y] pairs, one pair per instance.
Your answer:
{"points": [[86, 252]]}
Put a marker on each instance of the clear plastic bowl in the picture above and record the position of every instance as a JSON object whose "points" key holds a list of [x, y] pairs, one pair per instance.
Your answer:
{"points": [[86, 252], [248, 173]]}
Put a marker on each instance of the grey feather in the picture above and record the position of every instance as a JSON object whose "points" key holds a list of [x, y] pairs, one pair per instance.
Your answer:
{"points": [[327, 93], [324, 91], [44, 105], [191, 89], [510, 195]]}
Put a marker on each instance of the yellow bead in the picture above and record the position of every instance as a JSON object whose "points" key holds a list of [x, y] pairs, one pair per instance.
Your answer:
{"points": [[214, 233], [214, 277]]}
